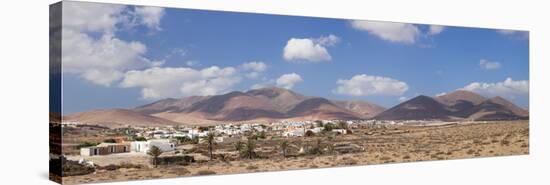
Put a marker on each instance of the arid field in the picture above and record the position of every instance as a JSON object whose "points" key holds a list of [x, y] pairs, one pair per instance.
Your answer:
{"points": [[380, 145], [376, 146]]}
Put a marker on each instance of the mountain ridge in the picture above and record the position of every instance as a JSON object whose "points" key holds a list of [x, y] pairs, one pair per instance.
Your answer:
{"points": [[264, 104], [275, 104], [458, 105]]}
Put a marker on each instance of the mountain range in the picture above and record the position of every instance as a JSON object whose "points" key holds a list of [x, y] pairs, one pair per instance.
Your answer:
{"points": [[266, 104], [273, 104], [458, 105]]}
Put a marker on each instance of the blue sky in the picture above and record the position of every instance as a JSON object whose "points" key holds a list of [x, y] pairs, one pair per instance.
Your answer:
{"points": [[380, 62]]}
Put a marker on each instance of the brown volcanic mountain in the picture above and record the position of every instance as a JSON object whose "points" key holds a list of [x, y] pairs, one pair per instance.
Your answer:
{"points": [[169, 104], [418, 108], [496, 108], [117, 118], [258, 104], [320, 108], [455, 106], [271, 104], [364, 108], [234, 106], [282, 99], [460, 100]]}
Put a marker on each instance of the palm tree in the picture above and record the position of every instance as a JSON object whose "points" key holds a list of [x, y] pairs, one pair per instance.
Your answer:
{"points": [[239, 146], [343, 125], [317, 148], [210, 139], [284, 147], [319, 123], [155, 152], [250, 147], [327, 127], [330, 146]]}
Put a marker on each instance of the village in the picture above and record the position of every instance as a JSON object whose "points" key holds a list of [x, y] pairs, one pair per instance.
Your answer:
{"points": [[94, 153], [173, 141], [141, 139]]}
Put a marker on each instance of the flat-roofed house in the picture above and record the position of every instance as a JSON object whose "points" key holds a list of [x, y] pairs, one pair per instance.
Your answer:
{"points": [[105, 149], [143, 146]]}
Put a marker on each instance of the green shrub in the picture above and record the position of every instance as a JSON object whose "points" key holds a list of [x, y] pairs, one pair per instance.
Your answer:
{"points": [[112, 167], [175, 160], [206, 172], [252, 167], [328, 127], [504, 142], [184, 139]]}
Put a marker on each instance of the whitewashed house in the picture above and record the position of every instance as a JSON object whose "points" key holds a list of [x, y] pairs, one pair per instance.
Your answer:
{"points": [[193, 133], [143, 146], [105, 149], [180, 134], [218, 139], [294, 133], [245, 128], [203, 133], [340, 131], [316, 130]]}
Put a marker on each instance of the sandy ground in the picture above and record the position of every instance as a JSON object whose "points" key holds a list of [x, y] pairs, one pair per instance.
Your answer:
{"points": [[394, 145]]}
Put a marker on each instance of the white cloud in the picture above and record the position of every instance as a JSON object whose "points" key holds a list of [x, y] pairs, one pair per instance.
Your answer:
{"points": [[101, 61], [507, 88], [258, 86], [305, 49], [191, 63], [506, 32], [269, 83], [309, 49], [436, 29], [330, 40], [441, 94], [149, 16], [253, 69], [288, 81], [176, 52], [166, 82], [488, 65], [92, 17], [90, 48], [402, 99], [254, 66], [390, 31], [364, 85], [253, 75], [514, 33]]}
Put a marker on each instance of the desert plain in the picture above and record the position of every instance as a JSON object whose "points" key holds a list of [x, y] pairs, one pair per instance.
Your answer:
{"points": [[372, 145]]}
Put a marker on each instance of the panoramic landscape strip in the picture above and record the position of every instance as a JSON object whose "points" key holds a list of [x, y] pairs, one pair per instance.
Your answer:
{"points": [[149, 92]]}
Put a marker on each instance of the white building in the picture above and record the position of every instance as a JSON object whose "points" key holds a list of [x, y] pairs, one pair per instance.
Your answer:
{"points": [[294, 133], [316, 130], [218, 139], [143, 146], [340, 131]]}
